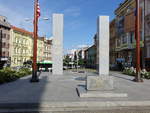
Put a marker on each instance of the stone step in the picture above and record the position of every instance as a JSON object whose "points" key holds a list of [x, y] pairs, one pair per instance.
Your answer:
{"points": [[145, 109], [83, 93], [74, 105]]}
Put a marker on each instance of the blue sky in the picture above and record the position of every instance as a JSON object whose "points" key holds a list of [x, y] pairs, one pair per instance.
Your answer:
{"points": [[80, 17]]}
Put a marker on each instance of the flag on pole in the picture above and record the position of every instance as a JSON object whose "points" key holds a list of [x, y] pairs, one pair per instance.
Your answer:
{"points": [[38, 10]]}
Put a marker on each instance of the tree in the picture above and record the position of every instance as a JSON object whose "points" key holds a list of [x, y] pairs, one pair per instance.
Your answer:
{"points": [[81, 62], [66, 60]]}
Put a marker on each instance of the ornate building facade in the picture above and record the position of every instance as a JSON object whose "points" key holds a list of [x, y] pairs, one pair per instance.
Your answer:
{"points": [[4, 42], [21, 46]]}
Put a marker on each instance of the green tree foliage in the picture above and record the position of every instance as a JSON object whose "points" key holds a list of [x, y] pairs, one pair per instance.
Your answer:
{"points": [[8, 74], [66, 60], [81, 62]]}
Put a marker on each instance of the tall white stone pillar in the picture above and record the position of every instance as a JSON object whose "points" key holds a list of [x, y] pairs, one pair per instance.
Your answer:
{"points": [[97, 85], [103, 45], [57, 47], [103, 81]]}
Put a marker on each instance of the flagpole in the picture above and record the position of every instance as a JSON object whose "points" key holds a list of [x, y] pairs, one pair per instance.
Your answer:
{"points": [[137, 35], [35, 35]]}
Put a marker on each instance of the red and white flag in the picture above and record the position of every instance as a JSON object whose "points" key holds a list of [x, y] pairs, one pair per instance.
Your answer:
{"points": [[38, 10]]}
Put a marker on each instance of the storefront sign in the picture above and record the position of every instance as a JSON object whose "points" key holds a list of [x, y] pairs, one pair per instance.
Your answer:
{"points": [[4, 59]]}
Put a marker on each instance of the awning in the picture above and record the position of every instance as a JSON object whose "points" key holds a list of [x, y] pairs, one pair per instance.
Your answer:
{"points": [[45, 62], [120, 60]]}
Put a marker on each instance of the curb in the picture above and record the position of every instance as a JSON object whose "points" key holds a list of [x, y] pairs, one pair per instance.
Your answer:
{"points": [[87, 104], [71, 107]]}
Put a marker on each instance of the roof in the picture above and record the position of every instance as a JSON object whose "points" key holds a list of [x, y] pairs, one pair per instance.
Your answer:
{"points": [[21, 30], [93, 46], [4, 23]]}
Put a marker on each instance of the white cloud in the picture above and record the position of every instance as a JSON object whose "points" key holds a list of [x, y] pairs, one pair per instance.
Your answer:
{"points": [[82, 46], [73, 11]]}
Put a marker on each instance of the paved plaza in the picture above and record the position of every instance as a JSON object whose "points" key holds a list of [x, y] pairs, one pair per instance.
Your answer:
{"points": [[55, 94], [63, 89]]}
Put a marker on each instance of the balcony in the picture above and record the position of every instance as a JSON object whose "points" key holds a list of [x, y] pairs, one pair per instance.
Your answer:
{"points": [[128, 46]]}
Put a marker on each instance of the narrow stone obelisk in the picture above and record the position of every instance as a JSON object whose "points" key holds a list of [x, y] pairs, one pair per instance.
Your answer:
{"points": [[103, 45], [57, 44], [101, 85], [103, 81]]}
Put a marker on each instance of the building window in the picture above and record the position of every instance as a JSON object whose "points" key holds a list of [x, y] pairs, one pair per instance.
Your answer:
{"points": [[15, 50], [8, 37], [3, 54], [18, 50], [3, 45], [8, 45], [124, 40], [14, 60], [4, 35], [16, 40], [117, 42], [1, 35]]}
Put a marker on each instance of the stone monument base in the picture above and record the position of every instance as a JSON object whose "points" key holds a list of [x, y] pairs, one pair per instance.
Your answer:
{"points": [[82, 92], [100, 83], [99, 86]]}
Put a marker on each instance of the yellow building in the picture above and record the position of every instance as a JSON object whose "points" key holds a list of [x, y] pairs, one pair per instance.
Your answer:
{"points": [[40, 49], [48, 49], [21, 46], [44, 49]]}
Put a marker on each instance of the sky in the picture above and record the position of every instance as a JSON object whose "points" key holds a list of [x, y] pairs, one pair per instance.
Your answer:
{"points": [[80, 17]]}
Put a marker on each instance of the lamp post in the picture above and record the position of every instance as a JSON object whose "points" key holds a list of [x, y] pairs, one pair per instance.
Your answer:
{"points": [[137, 35], [34, 66]]}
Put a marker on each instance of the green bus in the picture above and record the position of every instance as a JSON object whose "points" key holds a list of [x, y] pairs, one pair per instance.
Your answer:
{"points": [[44, 66]]}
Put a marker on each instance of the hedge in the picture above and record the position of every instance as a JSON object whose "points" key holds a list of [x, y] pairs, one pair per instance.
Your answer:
{"points": [[8, 74]]}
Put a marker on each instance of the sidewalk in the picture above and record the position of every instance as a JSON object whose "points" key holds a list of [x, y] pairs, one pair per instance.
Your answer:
{"points": [[57, 91]]}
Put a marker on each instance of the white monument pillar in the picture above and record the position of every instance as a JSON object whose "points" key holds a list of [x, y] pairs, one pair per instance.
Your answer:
{"points": [[103, 81], [103, 45], [57, 44], [97, 85]]}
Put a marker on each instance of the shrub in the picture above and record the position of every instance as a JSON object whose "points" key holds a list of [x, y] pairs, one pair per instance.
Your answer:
{"points": [[26, 70], [23, 72], [129, 71], [132, 71], [8, 74]]}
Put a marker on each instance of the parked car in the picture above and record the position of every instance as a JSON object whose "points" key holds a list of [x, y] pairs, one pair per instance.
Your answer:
{"points": [[114, 67]]}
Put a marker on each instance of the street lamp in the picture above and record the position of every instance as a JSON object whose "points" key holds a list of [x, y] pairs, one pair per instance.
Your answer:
{"points": [[137, 35], [30, 20]]}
